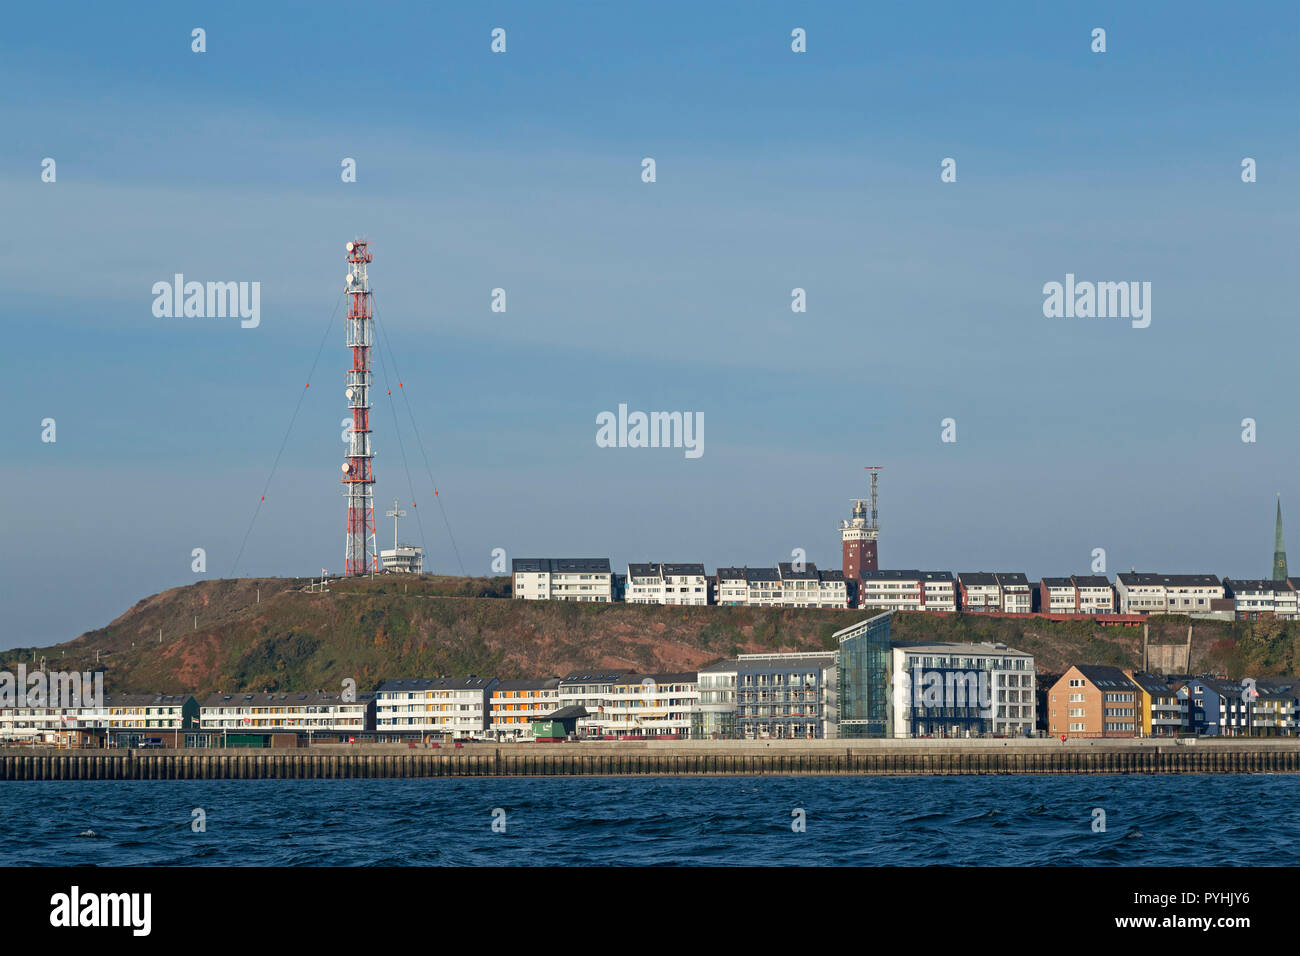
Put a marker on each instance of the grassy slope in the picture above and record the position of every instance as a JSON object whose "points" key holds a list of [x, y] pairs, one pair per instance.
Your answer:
{"points": [[388, 627]]}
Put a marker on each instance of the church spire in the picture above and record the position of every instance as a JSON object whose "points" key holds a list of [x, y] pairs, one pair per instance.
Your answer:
{"points": [[1279, 547]]}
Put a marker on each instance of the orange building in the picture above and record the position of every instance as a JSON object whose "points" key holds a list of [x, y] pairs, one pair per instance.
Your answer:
{"points": [[516, 704], [1094, 701]]}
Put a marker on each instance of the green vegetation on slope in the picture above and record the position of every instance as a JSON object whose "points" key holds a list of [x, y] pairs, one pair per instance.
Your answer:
{"points": [[373, 629]]}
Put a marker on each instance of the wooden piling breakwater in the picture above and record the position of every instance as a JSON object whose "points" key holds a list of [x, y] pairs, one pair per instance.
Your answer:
{"points": [[681, 758]]}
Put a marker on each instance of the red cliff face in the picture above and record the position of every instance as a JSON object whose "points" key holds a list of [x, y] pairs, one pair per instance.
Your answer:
{"points": [[370, 630]]}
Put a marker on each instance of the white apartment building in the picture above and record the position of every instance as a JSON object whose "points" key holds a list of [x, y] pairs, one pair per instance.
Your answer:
{"points": [[1142, 592], [959, 690], [731, 587], [35, 723], [1058, 596], [667, 584], [940, 592], [715, 715], [651, 705], [563, 579], [1193, 593], [908, 590], [455, 706], [764, 586], [1254, 597], [1005, 591], [516, 704], [782, 586], [593, 691], [979, 592], [1077, 594], [1017, 595], [1096, 596], [144, 712], [285, 713], [787, 696], [807, 587]]}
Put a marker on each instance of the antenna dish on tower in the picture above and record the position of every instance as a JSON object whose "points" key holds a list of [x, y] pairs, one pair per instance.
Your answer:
{"points": [[351, 246]]}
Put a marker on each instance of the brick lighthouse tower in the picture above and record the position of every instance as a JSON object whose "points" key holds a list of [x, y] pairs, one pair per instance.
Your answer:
{"points": [[859, 535]]}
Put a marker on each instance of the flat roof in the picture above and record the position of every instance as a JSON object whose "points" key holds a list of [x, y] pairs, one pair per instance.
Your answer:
{"points": [[558, 565], [943, 647], [435, 683]]}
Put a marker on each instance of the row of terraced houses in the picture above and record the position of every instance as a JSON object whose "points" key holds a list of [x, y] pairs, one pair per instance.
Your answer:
{"points": [[1100, 701], [802, 585], [752, 696]]}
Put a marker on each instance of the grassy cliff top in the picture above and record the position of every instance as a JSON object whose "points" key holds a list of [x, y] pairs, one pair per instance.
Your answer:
{"points": [[427, 625]]}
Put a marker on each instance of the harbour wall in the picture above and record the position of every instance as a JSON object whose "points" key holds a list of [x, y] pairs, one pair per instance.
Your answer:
{"points": [[675, 758]]}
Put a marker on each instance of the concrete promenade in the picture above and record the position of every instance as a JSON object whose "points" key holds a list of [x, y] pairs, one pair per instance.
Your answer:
{"points": [[660, 758]]}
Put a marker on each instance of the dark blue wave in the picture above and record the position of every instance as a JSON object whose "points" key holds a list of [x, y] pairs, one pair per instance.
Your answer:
{"points": [[1244, 820]]}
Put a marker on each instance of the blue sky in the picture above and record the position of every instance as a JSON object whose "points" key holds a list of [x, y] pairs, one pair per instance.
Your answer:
{"points": [[775, 170]]}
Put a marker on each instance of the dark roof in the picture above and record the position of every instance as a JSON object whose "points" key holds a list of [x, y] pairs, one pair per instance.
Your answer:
{"points": [[762, 574], [1103, 676], [541, 683], [1091, 580], [1154, 684], [977, 577], [1233, 585], [1059, 582], [832, 575], [569, 565], [587, 676], [1274, 688], [138, 700], [1223, 688], [783, 662], [787, 570], [685, 677], [891, 575], [567, 713], [653, 570], [733, 573], [728, 664], [1012, 579], [906, 575], [1150, 578], [289, 699], [1278, 681], [436, 683]]}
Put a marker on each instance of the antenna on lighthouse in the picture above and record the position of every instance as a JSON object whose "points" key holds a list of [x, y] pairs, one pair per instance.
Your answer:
{"points": [[875, 499]]}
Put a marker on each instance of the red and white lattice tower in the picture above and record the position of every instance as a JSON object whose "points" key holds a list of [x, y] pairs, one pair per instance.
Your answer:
{"points": [[361, 555]]}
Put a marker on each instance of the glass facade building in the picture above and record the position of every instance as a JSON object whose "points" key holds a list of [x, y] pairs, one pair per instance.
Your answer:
{"points": [[864, 665]]}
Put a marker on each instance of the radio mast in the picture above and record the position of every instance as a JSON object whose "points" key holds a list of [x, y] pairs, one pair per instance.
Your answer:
{"points": [[360, 555]]}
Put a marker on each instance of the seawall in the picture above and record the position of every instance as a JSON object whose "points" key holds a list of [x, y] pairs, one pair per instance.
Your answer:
{"points": [[701, 758]]}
